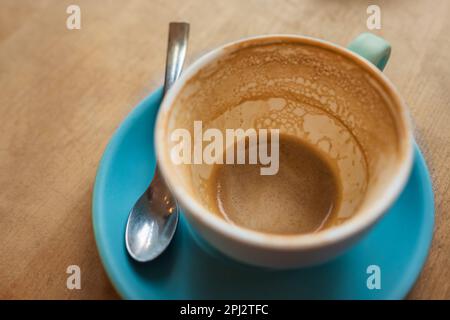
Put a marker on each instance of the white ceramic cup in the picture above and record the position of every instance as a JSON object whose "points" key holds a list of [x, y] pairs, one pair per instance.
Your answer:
{"points": [[376, 118]]}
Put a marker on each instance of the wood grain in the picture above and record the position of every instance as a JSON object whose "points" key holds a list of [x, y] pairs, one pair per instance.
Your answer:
{"points": [[63, 92]]}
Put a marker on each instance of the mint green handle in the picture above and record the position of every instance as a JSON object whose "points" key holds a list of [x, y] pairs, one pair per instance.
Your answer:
{"points": [[371, 47]]}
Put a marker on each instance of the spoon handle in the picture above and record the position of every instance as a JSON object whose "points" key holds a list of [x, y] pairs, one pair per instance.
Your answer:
{"points": [[176, 52]]}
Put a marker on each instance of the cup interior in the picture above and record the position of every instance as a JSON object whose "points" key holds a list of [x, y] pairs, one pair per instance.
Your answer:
{"points": [[315, 91]]}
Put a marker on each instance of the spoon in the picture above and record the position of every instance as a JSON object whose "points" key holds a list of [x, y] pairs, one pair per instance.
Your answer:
{"points": [[154, 217]]}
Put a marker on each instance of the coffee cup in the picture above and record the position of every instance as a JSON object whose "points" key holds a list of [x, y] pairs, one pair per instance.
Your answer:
{"points": [[343, 146]]}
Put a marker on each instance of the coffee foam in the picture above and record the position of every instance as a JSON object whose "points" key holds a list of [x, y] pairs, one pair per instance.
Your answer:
{"points": [[310, 92]]}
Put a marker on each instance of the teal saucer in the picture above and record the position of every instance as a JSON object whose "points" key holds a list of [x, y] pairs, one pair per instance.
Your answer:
{"points": [[398, 244]]}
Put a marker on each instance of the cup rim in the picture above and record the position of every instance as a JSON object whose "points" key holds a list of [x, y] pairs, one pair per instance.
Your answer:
{"points": [[362, 219]]}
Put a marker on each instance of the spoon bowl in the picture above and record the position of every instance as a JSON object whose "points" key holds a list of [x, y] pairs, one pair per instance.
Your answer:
{"points": [[152, 222]]}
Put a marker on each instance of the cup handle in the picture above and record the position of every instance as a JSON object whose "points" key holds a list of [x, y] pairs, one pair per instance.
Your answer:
{"points": [[371, 47]]}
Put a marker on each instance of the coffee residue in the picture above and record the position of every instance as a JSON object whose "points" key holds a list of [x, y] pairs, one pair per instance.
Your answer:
{"points": [[304, 196]]}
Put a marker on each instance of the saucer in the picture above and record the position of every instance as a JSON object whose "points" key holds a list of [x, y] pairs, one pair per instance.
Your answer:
{"points": [[398, 244]]}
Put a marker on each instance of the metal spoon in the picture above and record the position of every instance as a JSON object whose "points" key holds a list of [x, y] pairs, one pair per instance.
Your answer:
{"points": [[154, 217]]}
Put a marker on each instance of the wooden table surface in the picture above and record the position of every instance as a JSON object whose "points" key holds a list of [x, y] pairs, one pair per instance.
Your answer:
{"points": [[64, 92]]}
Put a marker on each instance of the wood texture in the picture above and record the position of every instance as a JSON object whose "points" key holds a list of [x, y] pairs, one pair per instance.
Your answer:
{"points": [[63, 92]]}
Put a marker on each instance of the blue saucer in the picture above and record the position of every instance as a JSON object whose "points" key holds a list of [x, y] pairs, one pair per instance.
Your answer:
{"points": [[398, 244]]}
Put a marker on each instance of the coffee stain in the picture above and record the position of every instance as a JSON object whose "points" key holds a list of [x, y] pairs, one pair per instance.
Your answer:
{"points": [[313, 93]]}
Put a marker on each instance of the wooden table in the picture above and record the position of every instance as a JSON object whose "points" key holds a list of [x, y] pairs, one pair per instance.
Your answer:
{"points": [[63, 92]]}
